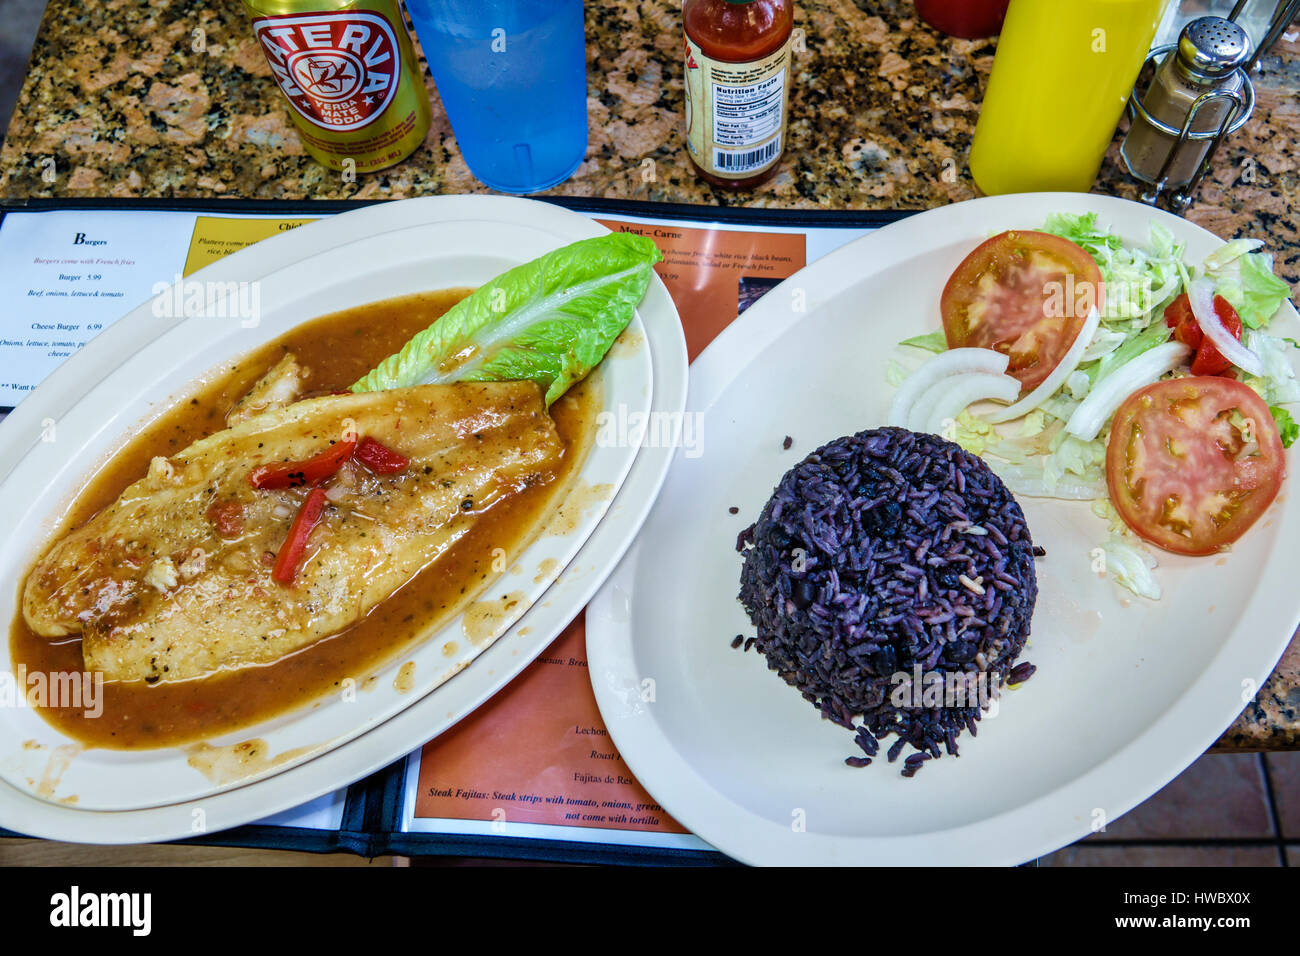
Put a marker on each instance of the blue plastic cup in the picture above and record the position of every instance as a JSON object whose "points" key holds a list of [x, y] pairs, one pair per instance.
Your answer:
{"points": [[512, 75]]}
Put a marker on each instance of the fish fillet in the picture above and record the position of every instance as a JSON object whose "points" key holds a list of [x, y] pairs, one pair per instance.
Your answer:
{"points": [[280, 386], [173, 580]]}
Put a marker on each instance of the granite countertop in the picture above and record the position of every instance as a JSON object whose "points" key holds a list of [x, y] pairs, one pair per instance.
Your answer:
{"points": [[173, 98]]}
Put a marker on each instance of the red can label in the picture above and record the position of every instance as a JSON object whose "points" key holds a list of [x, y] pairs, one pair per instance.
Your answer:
{"points": [[338, 70]]}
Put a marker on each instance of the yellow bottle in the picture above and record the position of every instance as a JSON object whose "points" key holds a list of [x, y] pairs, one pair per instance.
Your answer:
{"points": [[1062, 74]]}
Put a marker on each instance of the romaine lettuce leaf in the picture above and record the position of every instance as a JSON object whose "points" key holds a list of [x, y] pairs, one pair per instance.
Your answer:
{"points": [[550, 321]]}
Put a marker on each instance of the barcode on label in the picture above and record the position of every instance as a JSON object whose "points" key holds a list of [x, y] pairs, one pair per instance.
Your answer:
{"points": [[741, 161]]}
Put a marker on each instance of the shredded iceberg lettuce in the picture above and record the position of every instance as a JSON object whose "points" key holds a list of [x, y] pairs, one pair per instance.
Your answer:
{"points": [[1136, 280], [1086, 459], [1027, 480], [1078, 384], [973, 434], [1134, 345], [1286, 425], [1130, 565], [1103, 343], [932, 342], [1127, 561], [1278, 384], [1247, 281], [1230, 251]]}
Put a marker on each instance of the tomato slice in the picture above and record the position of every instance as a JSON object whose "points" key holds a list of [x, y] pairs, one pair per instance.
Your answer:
{"points": [[1025, 294], [1179, 317], [1192, 463], [1209, 360]]}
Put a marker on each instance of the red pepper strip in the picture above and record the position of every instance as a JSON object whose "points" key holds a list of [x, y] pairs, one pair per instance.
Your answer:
{"points": [[295, 474], [379, 458], [309, 515]]}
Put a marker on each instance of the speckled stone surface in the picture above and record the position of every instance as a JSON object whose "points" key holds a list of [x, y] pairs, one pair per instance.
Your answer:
{"points": [[172, 98]]}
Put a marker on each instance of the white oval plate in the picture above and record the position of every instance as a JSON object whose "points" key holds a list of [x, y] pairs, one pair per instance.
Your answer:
{"points": [[142, 360], [1128, 691]]}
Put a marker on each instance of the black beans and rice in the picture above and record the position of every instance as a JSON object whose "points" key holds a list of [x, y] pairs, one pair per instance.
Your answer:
{"points": [[885, 555]]}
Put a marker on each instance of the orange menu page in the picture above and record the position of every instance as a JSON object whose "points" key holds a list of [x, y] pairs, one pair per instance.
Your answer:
{"points": [[715, 274], [538, 751]]}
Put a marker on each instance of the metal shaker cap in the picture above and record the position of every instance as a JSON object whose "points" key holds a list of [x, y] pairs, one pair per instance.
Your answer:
{"points": [[1212, 47]]}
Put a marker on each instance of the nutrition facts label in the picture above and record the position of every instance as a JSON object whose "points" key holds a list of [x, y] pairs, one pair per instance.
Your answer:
{"points": [[744, 115], [735, 112]]}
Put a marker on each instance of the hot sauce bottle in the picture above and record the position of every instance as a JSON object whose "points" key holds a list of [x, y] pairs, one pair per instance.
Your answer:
{"points": [[737, 88]]}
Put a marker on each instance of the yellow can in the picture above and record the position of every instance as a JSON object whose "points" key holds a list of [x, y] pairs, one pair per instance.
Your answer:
{"points": [[350, 75]]}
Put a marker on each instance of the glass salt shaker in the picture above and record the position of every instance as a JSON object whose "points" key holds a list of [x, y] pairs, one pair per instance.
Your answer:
{"points": [[1199, 94]]}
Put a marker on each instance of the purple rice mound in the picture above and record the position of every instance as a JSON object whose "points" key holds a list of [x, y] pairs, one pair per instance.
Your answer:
{"points": [[880, 552]]}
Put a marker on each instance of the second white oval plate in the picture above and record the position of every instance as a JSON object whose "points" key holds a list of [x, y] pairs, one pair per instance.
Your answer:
{"points": [[1128, 691], [53, 789]]}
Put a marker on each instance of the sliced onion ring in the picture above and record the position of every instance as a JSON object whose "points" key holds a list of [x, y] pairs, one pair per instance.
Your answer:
{"points": [[1056, 378], [947, 398], [943, 365], [1109, 393], [1201, 295]]}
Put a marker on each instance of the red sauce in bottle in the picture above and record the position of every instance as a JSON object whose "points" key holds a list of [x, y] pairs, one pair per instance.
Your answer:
{"points": [[972, 19], [738, 75]]}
